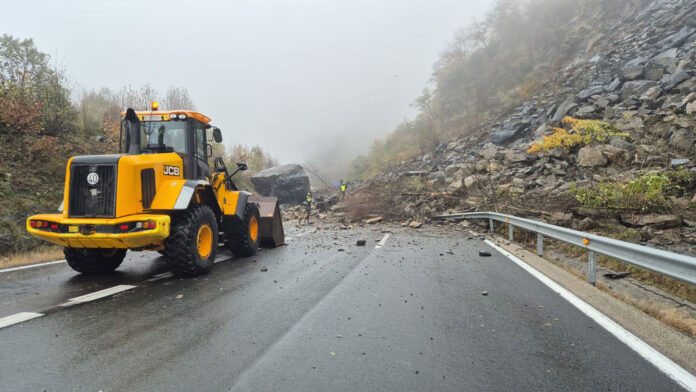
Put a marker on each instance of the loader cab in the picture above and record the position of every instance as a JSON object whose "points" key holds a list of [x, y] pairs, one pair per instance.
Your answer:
{"points": [[181, 132]]}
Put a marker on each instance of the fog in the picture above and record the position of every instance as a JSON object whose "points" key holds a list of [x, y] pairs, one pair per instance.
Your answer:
{"points": [[307, 80]]}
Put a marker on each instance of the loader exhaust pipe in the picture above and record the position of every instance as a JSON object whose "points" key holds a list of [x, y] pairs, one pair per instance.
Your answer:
{"points": [[132, 124]]}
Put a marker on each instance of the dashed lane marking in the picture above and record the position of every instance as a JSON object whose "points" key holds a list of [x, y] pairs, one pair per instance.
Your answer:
{"points": [[18, 318], [161, 276], [31, 266], [664, 364], [97, 295], [382, 241]]}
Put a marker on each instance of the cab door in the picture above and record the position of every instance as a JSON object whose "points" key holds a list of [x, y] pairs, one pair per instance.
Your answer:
{"points": [[200, 151]]}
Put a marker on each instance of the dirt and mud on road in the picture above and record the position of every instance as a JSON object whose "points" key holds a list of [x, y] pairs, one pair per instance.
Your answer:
{"points": [[341, 307]]}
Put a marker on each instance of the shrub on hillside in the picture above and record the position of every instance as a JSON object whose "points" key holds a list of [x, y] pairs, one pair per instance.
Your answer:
{"points": [[581, 133], [647, 193]]}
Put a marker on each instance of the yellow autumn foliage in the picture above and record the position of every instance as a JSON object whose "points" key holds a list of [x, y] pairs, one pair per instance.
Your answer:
{"points": [[581, 133]]}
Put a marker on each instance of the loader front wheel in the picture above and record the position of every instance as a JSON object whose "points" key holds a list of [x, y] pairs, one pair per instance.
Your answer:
{"points": [[191, 247], [244, 239], [94, 261]]}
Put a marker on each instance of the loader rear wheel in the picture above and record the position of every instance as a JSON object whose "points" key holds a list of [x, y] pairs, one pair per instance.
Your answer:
{"points": [[244, 239], [191, 247], [94, 261]]}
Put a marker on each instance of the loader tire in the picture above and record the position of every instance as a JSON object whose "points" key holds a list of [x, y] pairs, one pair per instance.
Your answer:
{"points": [[191, 247], [94, 261], [244, 239]]}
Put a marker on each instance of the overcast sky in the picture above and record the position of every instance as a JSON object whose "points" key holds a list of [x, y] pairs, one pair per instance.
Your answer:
{"points": [[296, 77]]}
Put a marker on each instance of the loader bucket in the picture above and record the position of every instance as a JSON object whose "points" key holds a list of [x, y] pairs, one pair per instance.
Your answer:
{"points": [[271, 224]]}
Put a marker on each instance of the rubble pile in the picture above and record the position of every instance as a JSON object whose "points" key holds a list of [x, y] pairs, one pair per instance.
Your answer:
{"points": [[637, 72]]}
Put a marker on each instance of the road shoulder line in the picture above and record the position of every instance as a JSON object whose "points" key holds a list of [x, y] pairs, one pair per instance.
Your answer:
{"points": [[97, 295], [664, 364], [21, 267]]}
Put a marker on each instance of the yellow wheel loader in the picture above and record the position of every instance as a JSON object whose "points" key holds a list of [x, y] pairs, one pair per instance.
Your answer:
{"points": [[157, 194]]}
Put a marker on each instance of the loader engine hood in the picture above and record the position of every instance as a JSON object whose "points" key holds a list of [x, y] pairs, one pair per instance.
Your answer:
{"points": [[113, 186]]}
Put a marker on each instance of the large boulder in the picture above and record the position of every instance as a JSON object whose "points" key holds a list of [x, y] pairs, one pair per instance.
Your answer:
{"points": [[682, 139], [509, 132], [591, 156], [564, 108], [289, 183]]}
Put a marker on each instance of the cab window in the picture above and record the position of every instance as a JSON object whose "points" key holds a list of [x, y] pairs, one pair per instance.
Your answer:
{"points": [[200, 140], [171, 134]]}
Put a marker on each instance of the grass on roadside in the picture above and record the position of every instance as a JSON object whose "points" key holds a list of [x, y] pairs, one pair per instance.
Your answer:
{"points": [[673, 317], [41, 254]]}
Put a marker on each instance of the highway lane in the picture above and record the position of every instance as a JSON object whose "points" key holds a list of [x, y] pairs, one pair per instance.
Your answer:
{"points": [[407, 316]]}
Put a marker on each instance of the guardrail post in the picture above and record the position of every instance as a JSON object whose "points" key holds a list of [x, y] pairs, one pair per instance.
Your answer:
{"points": [[540, 244], [592, 268], [511, 232], [491, 223]]}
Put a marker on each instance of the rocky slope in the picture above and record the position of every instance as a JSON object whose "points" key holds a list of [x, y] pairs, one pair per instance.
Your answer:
{"points": [[636, 71]]}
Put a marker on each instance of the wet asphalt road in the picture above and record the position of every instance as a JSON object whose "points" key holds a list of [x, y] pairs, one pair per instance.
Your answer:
{"points": [[408, 316]]}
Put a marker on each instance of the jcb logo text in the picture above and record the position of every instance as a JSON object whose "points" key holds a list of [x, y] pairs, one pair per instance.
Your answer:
{"points": [[171, 170]]}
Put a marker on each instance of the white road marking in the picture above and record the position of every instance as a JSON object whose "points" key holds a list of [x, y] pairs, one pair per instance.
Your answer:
{"points": [[31, 266], [382, 241], [221, 258], [97, 294], [161, 276], [664, 364], [18, 318]]}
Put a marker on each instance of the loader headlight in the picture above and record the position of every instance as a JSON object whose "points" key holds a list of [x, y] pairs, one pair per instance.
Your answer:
{"points": [[173, 116], [182, 117]]}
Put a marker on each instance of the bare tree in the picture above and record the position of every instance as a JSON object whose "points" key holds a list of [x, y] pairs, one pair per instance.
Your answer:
{"points": [[178, 98], [138, 99]]}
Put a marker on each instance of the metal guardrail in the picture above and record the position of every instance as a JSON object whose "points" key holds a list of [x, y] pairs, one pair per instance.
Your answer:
{"points": [[666, 263]]}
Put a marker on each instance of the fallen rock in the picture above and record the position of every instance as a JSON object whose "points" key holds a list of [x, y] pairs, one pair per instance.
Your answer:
{"points": [[619, 142], [637, 87], [455, 185], [484, 253], [451, 170], [682, 139], [361, 242], [506, 135], [564, 108], [415, 224], [289, 183], [484, 292], [677, 78], [660, 221], [373, 220], [611, 275], [514, 156], [437, 175], [469, 181], [264, 269], [560, 218], [679, 161], [591, 156], [690, 107], [634, 68], [588, 92], [616, 155]]}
